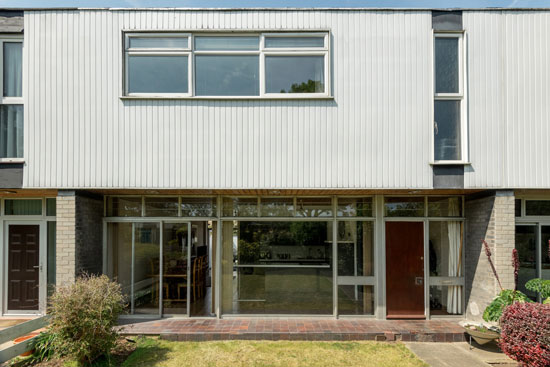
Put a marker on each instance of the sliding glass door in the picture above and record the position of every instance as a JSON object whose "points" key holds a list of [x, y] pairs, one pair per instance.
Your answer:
{"points": [[176, 268]]}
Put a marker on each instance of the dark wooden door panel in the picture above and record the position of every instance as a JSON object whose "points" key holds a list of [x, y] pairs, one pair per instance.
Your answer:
{"points": [[405, 270], [23, 271]]}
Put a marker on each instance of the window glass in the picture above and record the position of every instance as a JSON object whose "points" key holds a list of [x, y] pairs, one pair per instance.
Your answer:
{"points": [[545, 252], [122, 206], [240, 207], [50, 207], [23, 207], [174, 253], [446, 300], [356, 300], [290, 42], [537, 207], [277, 207], [446, 65], [146, 277], [526, 244], [221, 43], [13, 56], [159, 42], [295, 74], [314, 207], [51, 257], [355, 248], [444, 207], [517, 207], [119, 258], [404, 207], [355, 207], [198, 207], [445, 249], [447, 130], [161, 207], [158, 74], [11, 131], [227, 75]]}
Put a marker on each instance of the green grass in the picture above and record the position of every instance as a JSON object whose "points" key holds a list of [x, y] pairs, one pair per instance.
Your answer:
{"points": [[153, 352]]}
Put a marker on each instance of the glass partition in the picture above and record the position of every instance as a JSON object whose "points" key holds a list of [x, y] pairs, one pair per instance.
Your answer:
{"points": [[355, 207], [404, 207], [124, 206], [161, 206], [545, 252], [277, 267], [174, 272], [526, 245]]}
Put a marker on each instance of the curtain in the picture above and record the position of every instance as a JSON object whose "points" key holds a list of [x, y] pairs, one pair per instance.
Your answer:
{"points": [[454, 292]]}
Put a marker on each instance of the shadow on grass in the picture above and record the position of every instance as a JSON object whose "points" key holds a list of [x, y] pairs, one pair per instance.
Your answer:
{"points": [[149, 352]]}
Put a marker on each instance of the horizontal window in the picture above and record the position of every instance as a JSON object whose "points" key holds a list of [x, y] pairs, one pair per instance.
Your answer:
{"points": [[444, 207], [537, 207], [198, 207], [161, 206], [224, 66], [355, 207], [404, 207], [23, 207], [124, 206]]}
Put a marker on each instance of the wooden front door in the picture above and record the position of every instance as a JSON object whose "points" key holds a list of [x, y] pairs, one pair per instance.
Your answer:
{"points": [[405, 270], [23, 267]]}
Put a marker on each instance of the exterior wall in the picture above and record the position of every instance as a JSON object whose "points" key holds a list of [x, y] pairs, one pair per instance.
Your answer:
{"points": [[65, 238], [492, 219]]}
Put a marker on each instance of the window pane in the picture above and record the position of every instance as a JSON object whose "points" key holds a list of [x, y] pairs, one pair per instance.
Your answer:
{"points": [[233, 75], [447, 130], [119, 257], [146, 268], [446, 300], [240, 207], [158, 74], [446, 65], [13, 56], [314, 207], [354, 207], [276, 268], [445, 249], [124, 206], [221, 43], [50, 207], [356, 300], [51, 257], [295, 74], [545, 252], [355, 248], [161, 207], [404, 207], [11, 131], [23, 207], [289, 42], [444, 207], [198, 207], [517, 207], [537, 207], [526, 244], [277, 207], [159, 42], [174, 253]]}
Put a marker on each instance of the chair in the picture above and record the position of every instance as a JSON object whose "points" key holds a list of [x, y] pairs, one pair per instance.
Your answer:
{"points": [[155, 269]]}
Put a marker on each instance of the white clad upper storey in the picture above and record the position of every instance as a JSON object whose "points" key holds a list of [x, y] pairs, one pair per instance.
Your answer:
{"points": [[368, 124]]}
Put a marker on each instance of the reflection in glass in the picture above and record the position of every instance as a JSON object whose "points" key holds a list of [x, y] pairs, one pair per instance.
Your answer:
{"points": [[159, 42], [158, 74], [146, 268], [355, 248], [119, 257], [276, 268], [537, 207], [404, 207], [174, 252], [124, 206], [13, 56], [526, 244], [545, 252], [446, 65], [224, 43], [240, 207], [444, 207], [354, 207], [356, 300], [234, 75], [440, 297], [198, 207], [447, 130], [277, 207], [292, 42], [295, 74], [161, 206], [11, 131], [314, 207]]}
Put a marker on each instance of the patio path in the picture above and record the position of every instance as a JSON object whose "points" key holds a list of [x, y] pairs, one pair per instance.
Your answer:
{"points": [[296, 329]]}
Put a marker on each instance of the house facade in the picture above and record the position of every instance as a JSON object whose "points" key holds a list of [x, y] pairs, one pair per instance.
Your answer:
{"points": [[265, 162]]}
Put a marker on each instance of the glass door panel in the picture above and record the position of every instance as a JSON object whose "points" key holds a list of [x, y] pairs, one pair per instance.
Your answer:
{"points": [[175, 254], [545, 252], [119, 264], [200, 280], [526, 244], [146, 265]]}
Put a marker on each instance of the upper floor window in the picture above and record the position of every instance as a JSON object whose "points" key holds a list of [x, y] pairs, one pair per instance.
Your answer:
{"points": [[449, 127], [281, 65]]}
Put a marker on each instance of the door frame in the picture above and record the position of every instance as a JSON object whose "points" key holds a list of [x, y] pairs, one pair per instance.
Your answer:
{"points": [[43, 264]]}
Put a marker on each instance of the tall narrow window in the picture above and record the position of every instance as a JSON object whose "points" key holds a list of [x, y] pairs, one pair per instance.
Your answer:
{"points": [[449, 133], [11, 103]]}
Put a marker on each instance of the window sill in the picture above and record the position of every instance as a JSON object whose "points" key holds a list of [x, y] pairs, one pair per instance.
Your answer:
{"points": [[12, 160], [230, 98], [450, 163]]}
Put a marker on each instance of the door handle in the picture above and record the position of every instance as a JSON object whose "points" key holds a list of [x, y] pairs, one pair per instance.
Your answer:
{"points": [[418, 280], [38, 267]]}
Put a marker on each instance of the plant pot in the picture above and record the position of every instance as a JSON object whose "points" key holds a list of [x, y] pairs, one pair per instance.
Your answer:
{"points": [[22, 339], [481, 336]]}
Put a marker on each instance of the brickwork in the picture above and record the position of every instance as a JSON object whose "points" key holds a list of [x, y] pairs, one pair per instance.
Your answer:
{"points": [[65, 238], [492, 219]]}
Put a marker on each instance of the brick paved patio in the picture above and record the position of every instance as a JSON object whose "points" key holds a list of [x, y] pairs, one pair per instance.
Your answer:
{"points": [[297, 329]]}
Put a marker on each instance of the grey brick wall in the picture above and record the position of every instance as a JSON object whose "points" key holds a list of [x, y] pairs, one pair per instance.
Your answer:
{"points": [[490, 218]]}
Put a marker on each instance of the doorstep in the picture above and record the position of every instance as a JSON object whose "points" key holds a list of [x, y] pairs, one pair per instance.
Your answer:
{"points": [[296, 329]]}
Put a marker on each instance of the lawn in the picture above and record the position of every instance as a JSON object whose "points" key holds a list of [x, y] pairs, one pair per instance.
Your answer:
{"points": [[153, 352]]}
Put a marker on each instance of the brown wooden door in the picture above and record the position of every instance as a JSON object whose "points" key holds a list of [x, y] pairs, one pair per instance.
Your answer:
{"points": [[405, 270], [23, 268]]}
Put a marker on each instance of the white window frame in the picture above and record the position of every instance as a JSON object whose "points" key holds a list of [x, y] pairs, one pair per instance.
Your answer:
{"points": [[128, 51], [460, 96], [11, 100], [261, 52]]}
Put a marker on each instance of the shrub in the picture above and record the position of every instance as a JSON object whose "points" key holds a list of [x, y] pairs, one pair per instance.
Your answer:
{"points": [[506, 297], [44, 347], [541, 286], [525, 334], [83, 315]]}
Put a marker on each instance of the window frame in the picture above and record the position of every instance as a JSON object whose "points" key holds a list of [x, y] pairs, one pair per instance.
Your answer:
{"points": [[460, 96], [262, 52]]}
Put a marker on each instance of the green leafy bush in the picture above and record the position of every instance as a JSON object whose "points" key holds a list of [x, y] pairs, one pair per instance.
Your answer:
{"points": [[506, 297], [541, 286], [83, 315], [44, 347]]}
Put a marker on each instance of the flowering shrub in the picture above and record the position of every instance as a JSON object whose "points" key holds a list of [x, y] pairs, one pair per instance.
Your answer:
{"points": [[525, 334]]}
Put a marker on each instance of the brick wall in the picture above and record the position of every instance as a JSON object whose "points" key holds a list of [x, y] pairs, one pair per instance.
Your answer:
{"points": [[79, 235], [490, 218]]}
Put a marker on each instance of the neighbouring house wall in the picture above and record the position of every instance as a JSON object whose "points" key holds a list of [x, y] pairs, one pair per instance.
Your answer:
{"points": [[79, 236], [489, 218]]}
